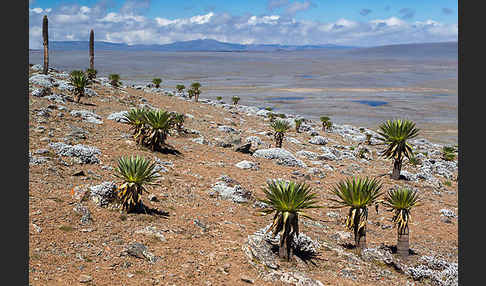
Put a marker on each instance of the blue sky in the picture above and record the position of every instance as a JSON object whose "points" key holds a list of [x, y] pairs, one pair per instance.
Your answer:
{"points": [[350, 22]]}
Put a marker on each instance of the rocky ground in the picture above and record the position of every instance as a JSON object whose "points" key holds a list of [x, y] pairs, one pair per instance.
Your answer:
{"points": [[203, 229]]}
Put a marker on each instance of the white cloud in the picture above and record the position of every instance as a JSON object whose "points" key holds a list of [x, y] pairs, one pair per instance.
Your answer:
{"points": [[392, 21], [127, 25], [201, 19], [295, 7], [36, 10]]}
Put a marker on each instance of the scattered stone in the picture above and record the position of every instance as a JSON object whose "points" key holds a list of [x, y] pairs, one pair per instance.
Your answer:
{"points": [[307, 154], [37, 160], [86, 154], [292, 278], [235, 193], [318, 140], [118, 116], [103, 194], [292, 140], [37, 228], [88, 116], [200, 224], [41, 92], [200, 140], [247, 279], [139, 250], [440, 272], [341, 236], [282, 156], [152, 231], [78, 133], [254, 140], [247, 165], [90, 92], [42, 80], [447, 213], [227, 129], [84, 212], [382, 255], [332, 215]]}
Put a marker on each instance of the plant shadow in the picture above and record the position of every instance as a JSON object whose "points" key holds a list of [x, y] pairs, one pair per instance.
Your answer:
{"points": [[143, 209], [304, 255], [348, 245], [393, 249]]}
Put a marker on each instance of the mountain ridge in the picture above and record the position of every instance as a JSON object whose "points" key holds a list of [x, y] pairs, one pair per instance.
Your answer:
{"points": [[193, 45]]}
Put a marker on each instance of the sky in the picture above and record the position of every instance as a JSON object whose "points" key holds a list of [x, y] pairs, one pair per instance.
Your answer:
{"points": [[293, 22]]}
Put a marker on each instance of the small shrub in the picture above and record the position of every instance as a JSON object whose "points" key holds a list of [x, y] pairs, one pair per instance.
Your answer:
{"points": [[157, 82], [114, 79], [298, 123], [180, 88]]}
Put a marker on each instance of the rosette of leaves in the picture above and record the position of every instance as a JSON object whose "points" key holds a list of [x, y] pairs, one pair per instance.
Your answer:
{"points": [[138, 124], [298, 123], [280, 127], [357, 194], [235, 100], [400, 201], [79, 80], [448, 153], [395, 134], [288, 200], [325, 120], [135, 172], [159, 122], [114, 79], [157, 82]]}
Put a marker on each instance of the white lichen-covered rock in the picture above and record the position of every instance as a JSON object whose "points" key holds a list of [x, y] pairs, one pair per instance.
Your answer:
{"points": [[37, 67], [88, 116], [292, 140], [42, 80], [37, 160], [65, 86], [263, 113], [438, 271], [227, 129], [234, 193], [86, 154], [447, 213], [41, 92], [307, 154], [58, 98], [200, 140], [282, 156], [318, 140], [302, 242], [103, 193], [90, 92], [330, 154], [349, 132], [254, 140], [247, 165], [118, 116]]}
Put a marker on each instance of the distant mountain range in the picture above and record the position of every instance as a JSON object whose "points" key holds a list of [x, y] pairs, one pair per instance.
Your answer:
{"points": [[447, 50], [195, 45]]}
